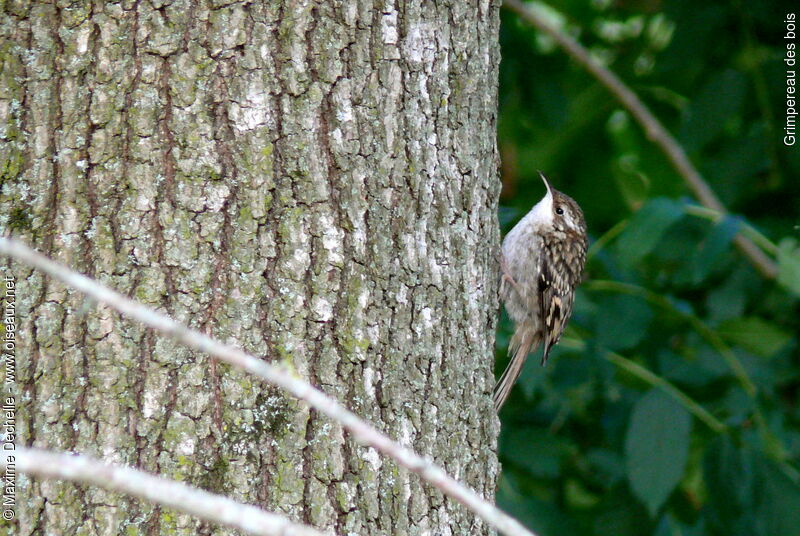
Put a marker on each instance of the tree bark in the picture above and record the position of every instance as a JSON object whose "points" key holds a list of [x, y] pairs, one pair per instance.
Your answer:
{"points": [[316, 182]]}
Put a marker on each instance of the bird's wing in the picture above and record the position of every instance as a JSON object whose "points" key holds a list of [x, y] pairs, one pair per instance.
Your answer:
{"points": [[556, 295]]}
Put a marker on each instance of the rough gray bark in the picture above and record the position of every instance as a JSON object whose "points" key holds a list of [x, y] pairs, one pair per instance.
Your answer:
{"points": [[314, 181]]}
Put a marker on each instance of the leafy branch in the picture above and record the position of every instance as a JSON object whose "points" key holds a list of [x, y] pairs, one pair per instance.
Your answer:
{"points": [[654, 130], [654, 380]]}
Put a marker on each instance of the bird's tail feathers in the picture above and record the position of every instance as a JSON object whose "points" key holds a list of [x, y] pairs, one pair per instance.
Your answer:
{"points": [[522, 343]]}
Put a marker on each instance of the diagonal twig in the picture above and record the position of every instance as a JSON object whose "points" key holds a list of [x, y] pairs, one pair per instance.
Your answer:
{"points": [[278, 375], [208, 506]]}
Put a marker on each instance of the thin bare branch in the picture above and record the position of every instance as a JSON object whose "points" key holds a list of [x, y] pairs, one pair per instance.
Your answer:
{"points": [[653, 128], [278, 375], [214, 508]]}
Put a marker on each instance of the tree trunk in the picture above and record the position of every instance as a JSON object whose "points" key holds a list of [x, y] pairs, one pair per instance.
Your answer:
{"points": [[315, 182]]}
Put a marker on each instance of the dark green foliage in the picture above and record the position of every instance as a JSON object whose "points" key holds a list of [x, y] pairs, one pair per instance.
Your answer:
{"points": [[672, 404], [656, 447]]}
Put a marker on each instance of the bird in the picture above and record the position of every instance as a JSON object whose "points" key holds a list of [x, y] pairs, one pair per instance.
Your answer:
{"points": [[541, 263]]}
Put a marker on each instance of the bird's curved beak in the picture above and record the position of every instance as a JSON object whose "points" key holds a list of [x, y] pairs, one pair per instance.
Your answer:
{"points": [[546, 183], [542, 212]]}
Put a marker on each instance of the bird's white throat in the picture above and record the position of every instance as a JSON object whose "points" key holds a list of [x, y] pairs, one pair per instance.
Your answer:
{"points": [[542, 212]]}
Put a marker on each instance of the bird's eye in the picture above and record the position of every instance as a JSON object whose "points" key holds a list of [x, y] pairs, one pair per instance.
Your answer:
{"points": [[559, 211]]}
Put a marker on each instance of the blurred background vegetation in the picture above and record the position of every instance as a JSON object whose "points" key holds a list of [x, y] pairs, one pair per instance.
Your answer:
{"points": [[672, 404]]}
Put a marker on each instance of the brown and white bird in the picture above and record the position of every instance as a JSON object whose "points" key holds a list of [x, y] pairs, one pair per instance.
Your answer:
{"points": [[542, 263]]}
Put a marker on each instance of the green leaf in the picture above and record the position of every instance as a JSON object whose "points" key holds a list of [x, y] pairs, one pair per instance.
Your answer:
{"points": [[748, 493], [716, 243], [578, 496], [755, 335], [542, 516], [656, 448], [789, 265], [729, 299], [711, 111], [668, 526], [730, 478], [624, 323], [607, 465], [646, 228], [632, 184], [537, 450], [778, 511]]}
